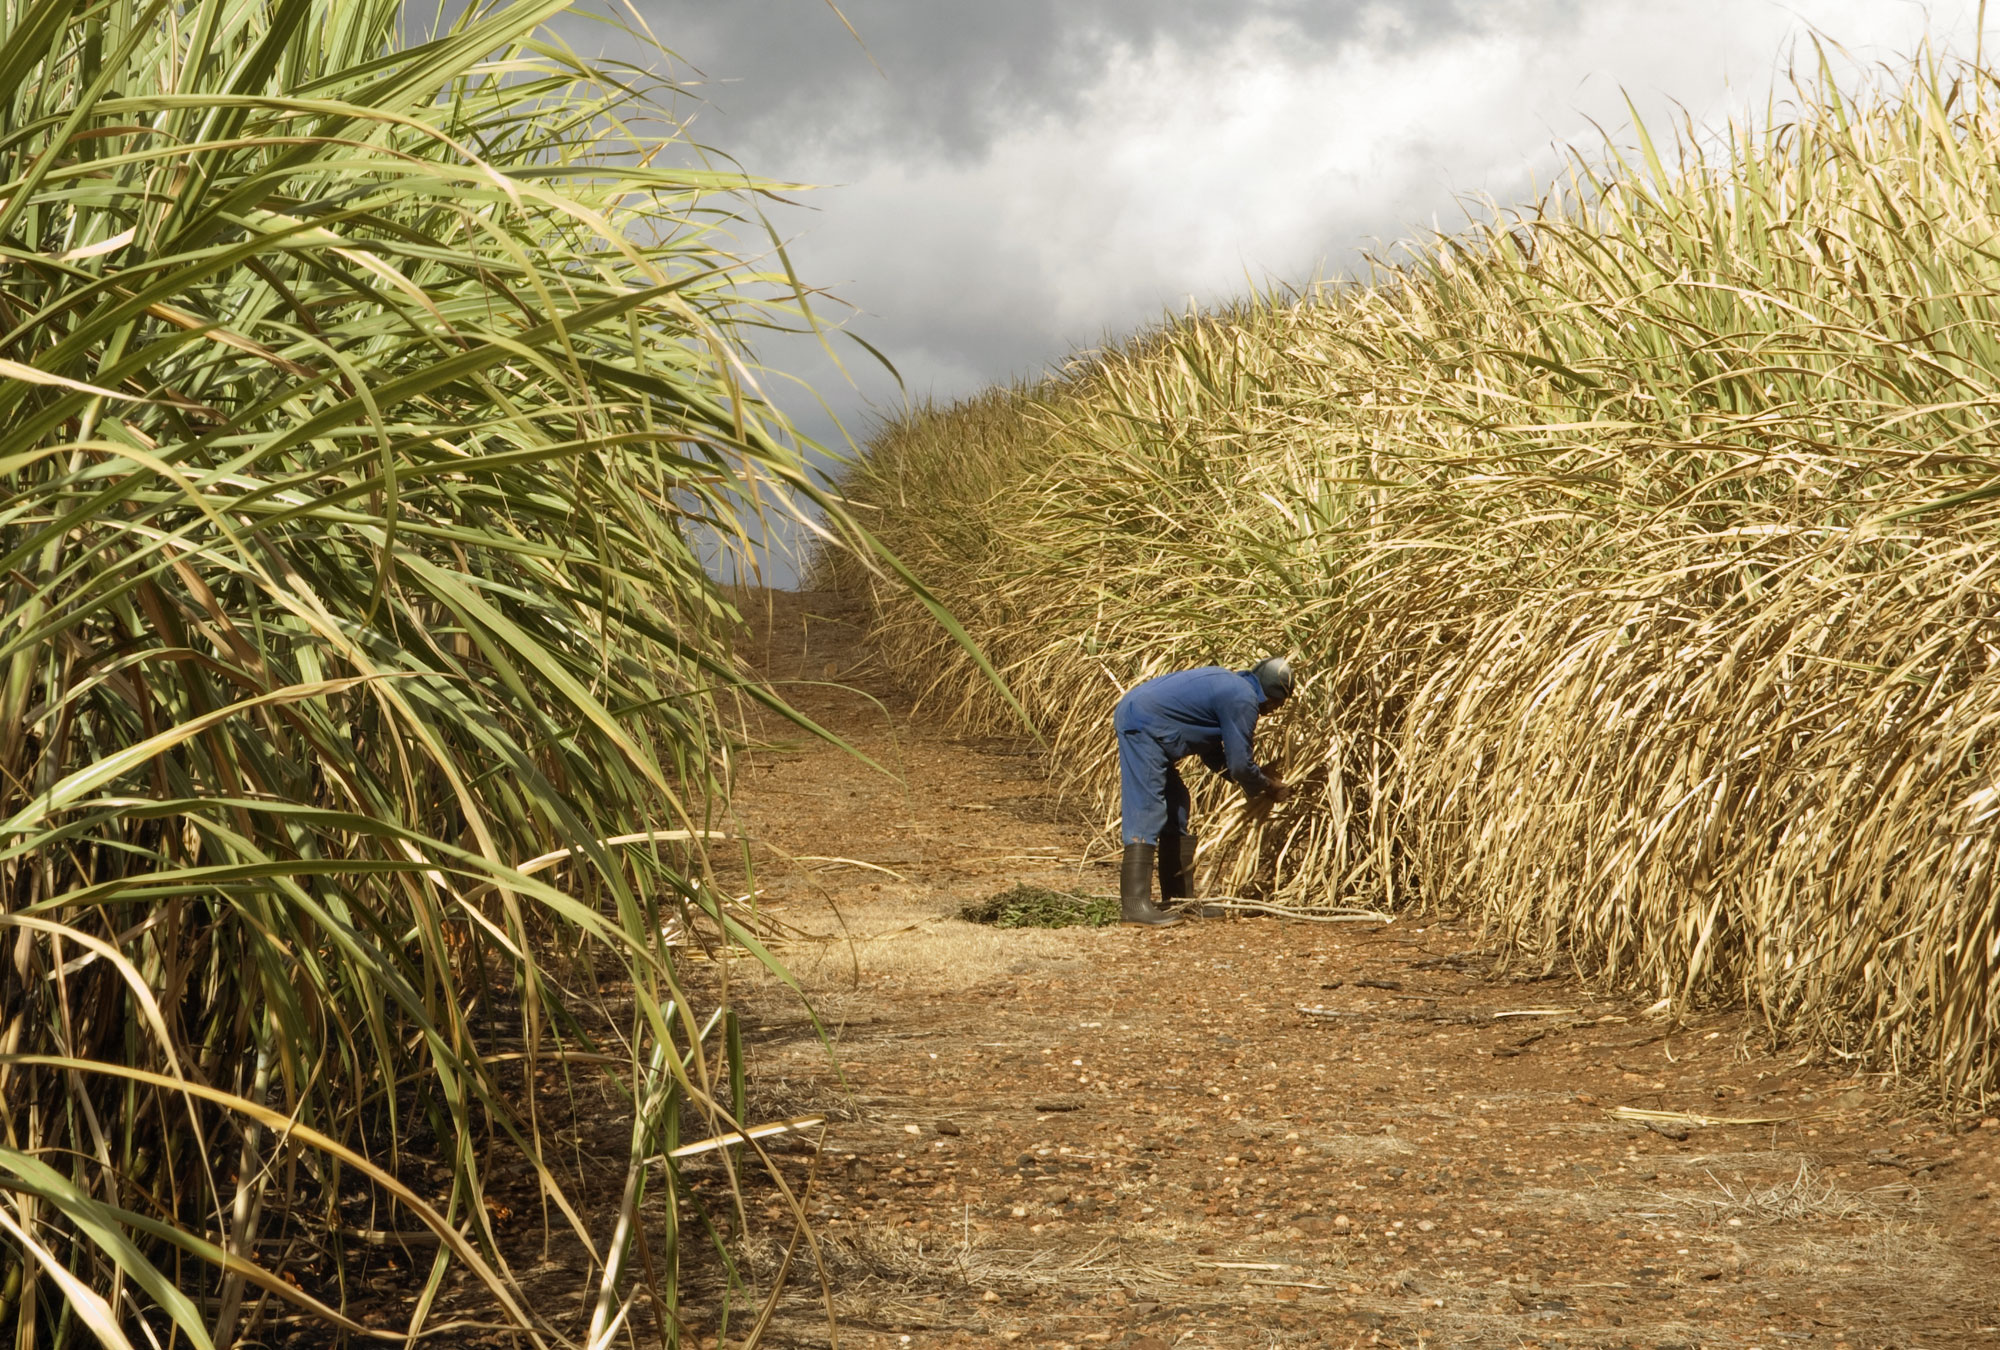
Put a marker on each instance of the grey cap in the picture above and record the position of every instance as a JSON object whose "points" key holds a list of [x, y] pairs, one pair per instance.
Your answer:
{"points": [[1274, 676]]}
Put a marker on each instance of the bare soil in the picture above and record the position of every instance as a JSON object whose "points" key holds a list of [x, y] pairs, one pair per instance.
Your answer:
{"points": [[1258, 1132]]}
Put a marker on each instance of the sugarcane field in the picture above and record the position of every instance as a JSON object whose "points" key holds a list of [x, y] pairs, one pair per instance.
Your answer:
{"points": [[1244, 1131], [722, 676]]}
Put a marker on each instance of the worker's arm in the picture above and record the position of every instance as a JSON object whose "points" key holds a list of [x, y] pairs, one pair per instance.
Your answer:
{"points": [[1239, 728]]}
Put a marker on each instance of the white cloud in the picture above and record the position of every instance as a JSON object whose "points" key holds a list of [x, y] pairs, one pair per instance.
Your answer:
{"points": [[1180, 171], [1183, 167]]}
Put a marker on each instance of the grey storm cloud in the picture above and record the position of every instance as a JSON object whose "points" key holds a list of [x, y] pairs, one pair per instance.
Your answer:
{"points": [[936, 76], [1005, 182]]}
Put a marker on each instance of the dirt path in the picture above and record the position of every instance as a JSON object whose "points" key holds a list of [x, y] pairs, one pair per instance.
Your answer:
{"points": [[1134, 1138]]}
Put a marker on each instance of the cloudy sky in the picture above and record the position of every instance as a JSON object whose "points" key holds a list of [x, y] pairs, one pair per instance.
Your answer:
{"points": [[1005, 181]]}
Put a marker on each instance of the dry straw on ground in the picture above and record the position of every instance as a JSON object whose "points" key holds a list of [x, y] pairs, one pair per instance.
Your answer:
{"points": [[911, 942], [1636, 550]]}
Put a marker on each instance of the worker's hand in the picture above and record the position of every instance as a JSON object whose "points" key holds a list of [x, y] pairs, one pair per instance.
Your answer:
{"points": [[1277, 791]]}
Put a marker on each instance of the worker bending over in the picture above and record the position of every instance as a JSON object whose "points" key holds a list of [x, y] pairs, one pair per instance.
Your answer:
{"points": [[1210, 713]]}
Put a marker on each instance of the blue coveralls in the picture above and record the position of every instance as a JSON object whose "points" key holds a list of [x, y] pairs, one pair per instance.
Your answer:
{"points": [[1210, 712]]}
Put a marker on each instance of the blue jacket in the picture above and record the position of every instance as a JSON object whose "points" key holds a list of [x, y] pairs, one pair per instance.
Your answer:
{"points": [[1210, 712]]}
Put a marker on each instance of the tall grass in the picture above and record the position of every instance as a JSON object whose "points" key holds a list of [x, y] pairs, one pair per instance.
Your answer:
{"points": [[1636, 548], [361, 403]]}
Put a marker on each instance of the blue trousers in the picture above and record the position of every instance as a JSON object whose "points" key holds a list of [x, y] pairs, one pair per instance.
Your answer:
{"points": [[1151, 796]]}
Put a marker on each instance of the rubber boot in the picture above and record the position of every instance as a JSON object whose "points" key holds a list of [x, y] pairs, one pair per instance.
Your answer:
{"points": [[1135, 888], [1176, 867]]}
